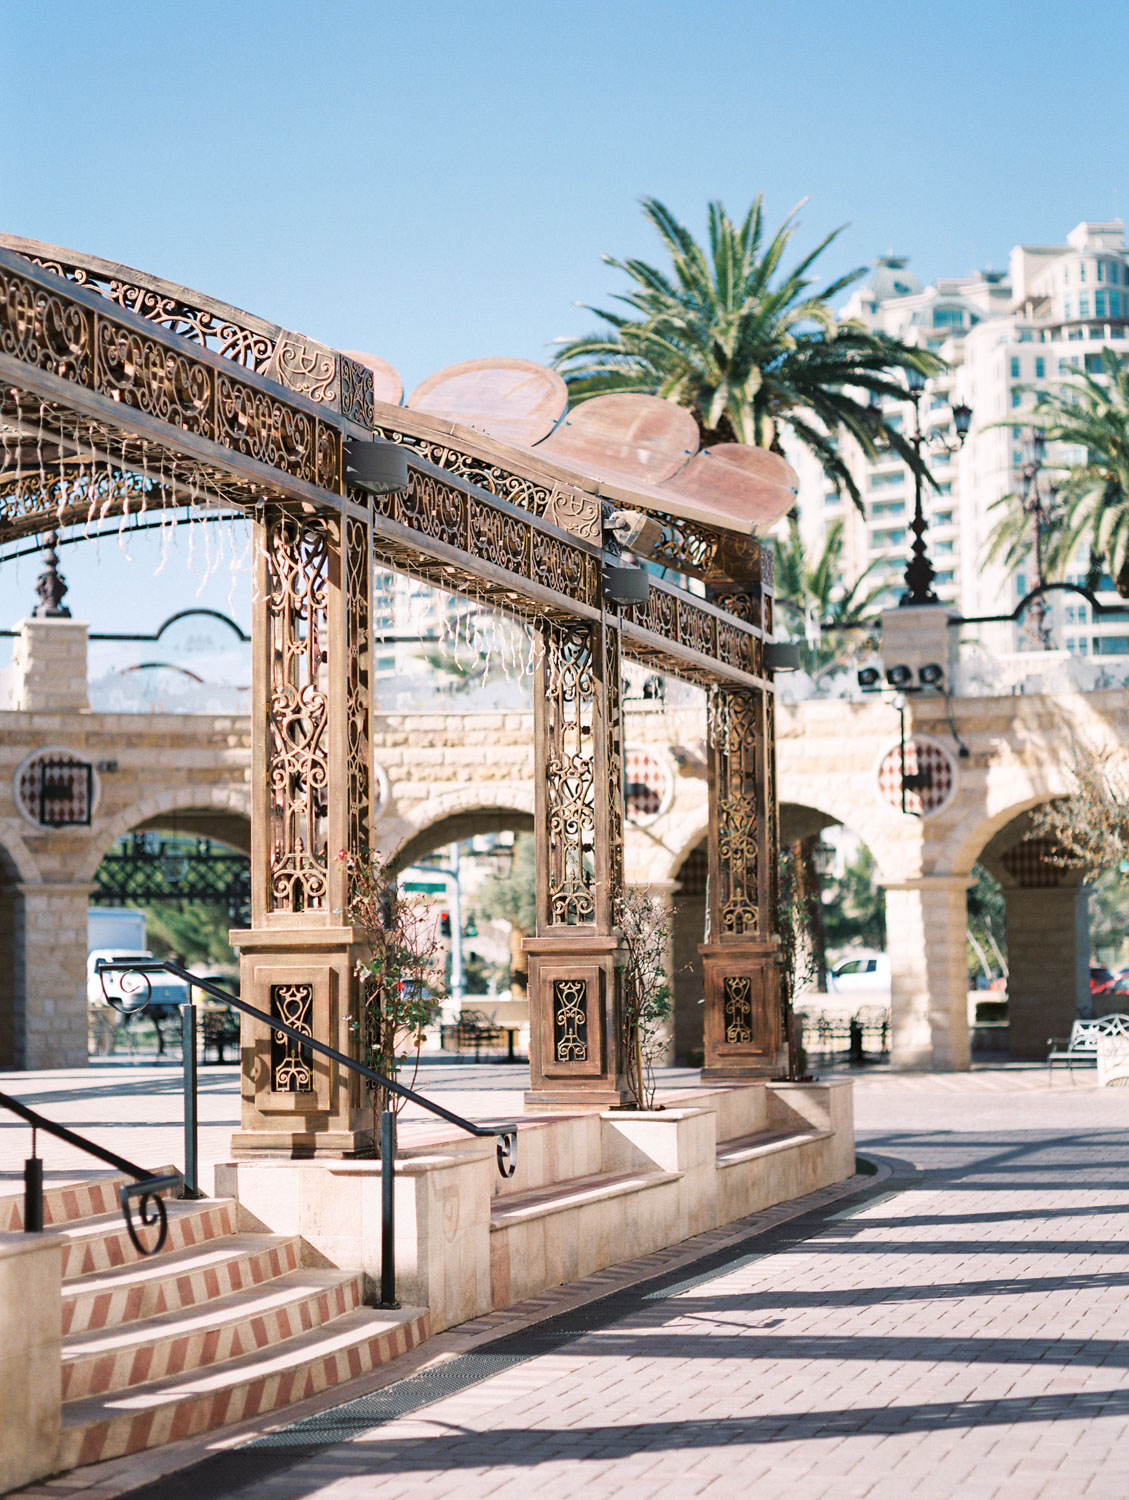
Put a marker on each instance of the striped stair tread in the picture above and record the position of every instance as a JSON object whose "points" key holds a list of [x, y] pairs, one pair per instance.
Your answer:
{"points": [[177, 1279], [70, 1201], [102, 1427], [109, 1360], [103, 1242], [764, 1143]]}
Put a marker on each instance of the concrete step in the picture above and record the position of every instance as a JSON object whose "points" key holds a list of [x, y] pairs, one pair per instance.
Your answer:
{"points": [[146, 1416], [70, 1201], [177, 1279], [574, 1192], [101, 1361], [765, 1143], [103, 1242]]}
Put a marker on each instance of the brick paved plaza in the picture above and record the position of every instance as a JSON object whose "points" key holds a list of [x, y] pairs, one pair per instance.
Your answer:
{"points": [[954, 1328]]}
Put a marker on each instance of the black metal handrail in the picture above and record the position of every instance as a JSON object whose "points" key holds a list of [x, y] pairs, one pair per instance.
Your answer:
{"points": [[506, 1135], [147, 1186]]}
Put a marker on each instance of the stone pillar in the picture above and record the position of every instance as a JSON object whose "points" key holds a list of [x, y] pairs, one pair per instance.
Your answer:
{"points": [[926, 925], [312, 773], [31, 1354], [48, 985], [1048, 949], [49, 664], [576, 956]]}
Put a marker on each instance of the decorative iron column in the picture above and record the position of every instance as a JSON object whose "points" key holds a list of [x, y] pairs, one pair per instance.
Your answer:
{"points": [[575, 959], [311, 766], [743, 1030]]}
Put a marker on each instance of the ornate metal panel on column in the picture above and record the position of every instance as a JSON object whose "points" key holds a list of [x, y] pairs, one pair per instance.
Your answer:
{"points": [[575, 959], [312, 779], [742, 987]]}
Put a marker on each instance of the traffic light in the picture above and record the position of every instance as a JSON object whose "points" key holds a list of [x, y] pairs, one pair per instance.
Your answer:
{"points": [[444, 924], [471, 928]]}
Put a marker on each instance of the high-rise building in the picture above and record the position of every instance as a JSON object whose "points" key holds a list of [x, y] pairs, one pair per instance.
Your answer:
{"points": [[1004, 336]]}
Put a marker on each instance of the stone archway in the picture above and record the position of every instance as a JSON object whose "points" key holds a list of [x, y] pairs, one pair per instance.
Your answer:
{"points": [[221, 812], [16, 867], [1048, 936]]}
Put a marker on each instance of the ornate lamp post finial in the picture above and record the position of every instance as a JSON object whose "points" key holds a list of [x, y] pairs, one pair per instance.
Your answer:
{"points": [[51, 586], [919, 573]]}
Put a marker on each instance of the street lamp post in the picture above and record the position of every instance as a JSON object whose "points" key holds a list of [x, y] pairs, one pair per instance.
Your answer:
{"points": [[1039, 502], [919, 572]]}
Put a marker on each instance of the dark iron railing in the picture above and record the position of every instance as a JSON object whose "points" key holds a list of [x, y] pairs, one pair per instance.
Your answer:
{"points": [[862, 1035], [147, 1186], [135, 1002]]}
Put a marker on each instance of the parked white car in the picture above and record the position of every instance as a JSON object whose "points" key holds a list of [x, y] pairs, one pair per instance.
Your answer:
{"points": [[167, 992], [862, 973]]}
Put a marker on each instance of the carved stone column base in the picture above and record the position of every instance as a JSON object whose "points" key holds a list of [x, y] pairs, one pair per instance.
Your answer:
{"points": [[296, 1103], [298, 1145], [575, 1051], [742, 1023]]}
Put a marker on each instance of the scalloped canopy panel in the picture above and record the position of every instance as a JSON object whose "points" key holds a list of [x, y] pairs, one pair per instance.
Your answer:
{"points": [[514, 400], [639, 437], [744, 486], [387, 385]]}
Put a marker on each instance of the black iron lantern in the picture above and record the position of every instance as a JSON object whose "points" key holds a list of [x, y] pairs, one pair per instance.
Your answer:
{"points": [[376, 467]]}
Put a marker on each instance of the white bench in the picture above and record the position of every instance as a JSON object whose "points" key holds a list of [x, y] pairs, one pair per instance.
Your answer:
{"points": [[1082, 1046]]}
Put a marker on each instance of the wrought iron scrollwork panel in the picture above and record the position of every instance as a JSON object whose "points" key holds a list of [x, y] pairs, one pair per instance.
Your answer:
{"points": [[297, 555], [739, 792], [151, 377], [613, 726], [771, 808], [737, 1009], [243, 345], [291, 1064], [357, 686], [50, 332], [570, 1020], [570, 786]]}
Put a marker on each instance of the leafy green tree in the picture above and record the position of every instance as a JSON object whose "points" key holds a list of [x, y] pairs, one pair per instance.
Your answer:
{"points": [[644, 921], [748, 347], [401, 973], [987, 925], [814, 585], [1091, 826], [196, 930], [854, 908], [1090, 411], [512, 898]]}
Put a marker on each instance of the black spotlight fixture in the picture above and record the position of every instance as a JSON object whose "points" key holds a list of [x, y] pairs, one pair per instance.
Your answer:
{"points": [[869, 678], [782, 656], [374, 466], [900, 677], [625, 585], [932, 674]]}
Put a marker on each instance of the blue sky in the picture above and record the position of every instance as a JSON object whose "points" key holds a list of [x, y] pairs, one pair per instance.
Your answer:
{"points": [[437, 181]]}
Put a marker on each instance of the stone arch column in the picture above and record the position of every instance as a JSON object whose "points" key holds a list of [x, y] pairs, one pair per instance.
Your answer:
{"points": [[926, 925], [1048, 938]]}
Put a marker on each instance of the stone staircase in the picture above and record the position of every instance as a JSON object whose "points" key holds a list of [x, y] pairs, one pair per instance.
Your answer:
{"points": [[219, 1327]]}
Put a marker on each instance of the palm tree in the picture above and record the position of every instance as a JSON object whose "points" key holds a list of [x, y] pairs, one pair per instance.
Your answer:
{"points": [[1090, 412], [813, 584], [750, 349]]}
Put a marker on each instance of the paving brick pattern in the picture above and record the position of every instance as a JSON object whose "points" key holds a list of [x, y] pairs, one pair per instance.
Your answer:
{"points": [[967, 1334]]}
